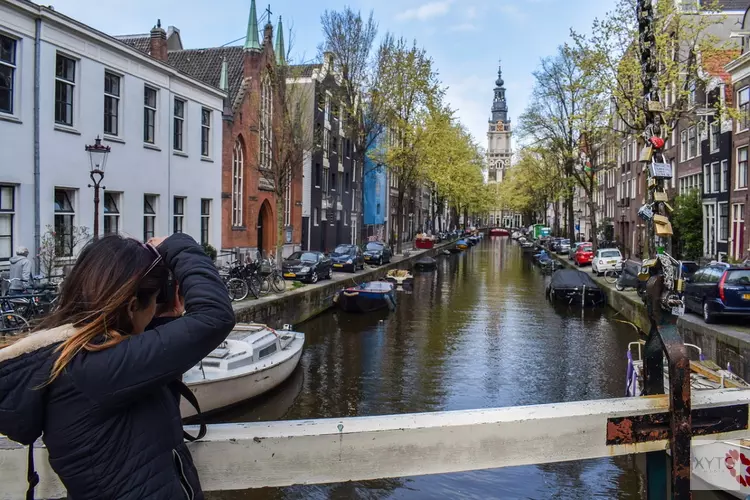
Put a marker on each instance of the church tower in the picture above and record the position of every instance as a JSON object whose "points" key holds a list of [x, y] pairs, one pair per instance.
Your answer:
{"points": [[499, 149]]}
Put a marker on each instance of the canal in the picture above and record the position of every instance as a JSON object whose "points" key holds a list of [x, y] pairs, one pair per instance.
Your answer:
{"points": [[478, 333]]}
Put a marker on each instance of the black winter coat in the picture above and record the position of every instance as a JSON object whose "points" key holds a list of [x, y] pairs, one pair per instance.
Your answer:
{"points": [[110, 422]]}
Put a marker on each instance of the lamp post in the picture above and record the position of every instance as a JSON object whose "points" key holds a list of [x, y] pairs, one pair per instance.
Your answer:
{"points": [[98, 160], [579, 212]]}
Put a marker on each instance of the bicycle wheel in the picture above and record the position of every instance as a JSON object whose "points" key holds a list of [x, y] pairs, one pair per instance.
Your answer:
{"points": [[237, 289], [253, 283], [278, 283], [265, 285], [13, 324], [611, 276]]}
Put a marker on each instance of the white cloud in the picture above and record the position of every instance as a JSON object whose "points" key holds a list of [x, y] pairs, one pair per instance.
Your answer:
{"points": [[512, 11], [471, 98], [426, 11], [464, 27], [471, 12]]}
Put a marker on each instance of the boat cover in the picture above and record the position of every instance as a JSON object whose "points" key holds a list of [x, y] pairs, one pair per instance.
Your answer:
{"points": [[572, 278]]}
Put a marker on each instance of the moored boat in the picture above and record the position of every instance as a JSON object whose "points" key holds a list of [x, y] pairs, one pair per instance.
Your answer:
{"points": [[400, 277], [575, 287], [462, 244], [367, 297], [424, 242], [499, 231], [254, 361], [425, 264]]}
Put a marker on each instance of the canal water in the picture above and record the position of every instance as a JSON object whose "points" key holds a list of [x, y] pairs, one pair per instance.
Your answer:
{"points": [[478, 333]]}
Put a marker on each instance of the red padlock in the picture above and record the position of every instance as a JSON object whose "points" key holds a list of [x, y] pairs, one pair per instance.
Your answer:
{"points": [[657, 142]]}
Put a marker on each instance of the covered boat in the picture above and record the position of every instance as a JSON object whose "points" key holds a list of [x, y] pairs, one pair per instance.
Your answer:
{"points": [[425, 264], [367, 297], [400, 277], [498, 231], [253, 361], [575, 287], [462, 244], [424, 242]]}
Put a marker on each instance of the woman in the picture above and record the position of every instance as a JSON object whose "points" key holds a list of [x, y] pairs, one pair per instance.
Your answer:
{"points": [[100, 387]]}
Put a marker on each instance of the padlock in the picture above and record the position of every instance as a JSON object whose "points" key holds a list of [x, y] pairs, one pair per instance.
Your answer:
{"points": [[660, 196], [661, 170], [646, 212], [656, 142], [662, 226], [655, 107], [668, 207], [647, 154], [651, 183]]}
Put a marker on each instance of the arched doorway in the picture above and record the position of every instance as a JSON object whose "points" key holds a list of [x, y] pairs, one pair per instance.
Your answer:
{"points": [[265, 229]]}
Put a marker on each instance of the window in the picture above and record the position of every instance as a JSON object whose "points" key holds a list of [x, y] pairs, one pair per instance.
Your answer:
{"points": [[692, 142], [205, 132], [315, 216], [347, 184], [683, 145], [149, 216], [326, 143], [149, 115], [205, 221], [266, 113], [743, 104], [334, 144], [738, 229], [111, 213], [238, 188], [333, 181], [706, 178], [723, 221], [716, 178], [742, 168], [7, 213], [692, 96], [7, 75], [341, 184], [178, 214], [317, 175], [178, 125], [65, 81], [715, 135], [689, 5], [64, 216], [111, 103], [724, 176], [325, 180]]}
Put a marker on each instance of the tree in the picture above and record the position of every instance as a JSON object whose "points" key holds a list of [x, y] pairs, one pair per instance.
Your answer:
{"points": [[688, 225], [407, 89], [54, 245], [531, 184]]}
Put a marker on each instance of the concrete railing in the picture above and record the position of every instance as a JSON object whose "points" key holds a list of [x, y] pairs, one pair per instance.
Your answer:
{"points": [[254, 455]]}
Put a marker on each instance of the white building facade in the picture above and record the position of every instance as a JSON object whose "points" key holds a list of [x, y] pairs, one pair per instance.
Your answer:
{"points": [[163, 174]]}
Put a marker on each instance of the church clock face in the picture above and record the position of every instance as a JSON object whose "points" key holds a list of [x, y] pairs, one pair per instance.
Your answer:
{"points": [[500, 126]]}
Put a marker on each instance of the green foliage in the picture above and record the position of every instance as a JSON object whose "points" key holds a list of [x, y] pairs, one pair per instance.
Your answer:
{"points": [[687, 223], [210, 251]]}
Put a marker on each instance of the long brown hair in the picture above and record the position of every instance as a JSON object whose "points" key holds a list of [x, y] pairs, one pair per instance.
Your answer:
{"points": [[95, 296]]}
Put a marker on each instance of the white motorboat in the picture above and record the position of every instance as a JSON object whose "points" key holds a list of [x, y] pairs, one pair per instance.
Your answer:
{"points": [[254, 360], [723, 463]]}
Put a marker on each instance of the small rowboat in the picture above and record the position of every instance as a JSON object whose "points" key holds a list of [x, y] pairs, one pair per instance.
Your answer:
{"points": [[367, 297], [400, 277], [258, 359], [424, 242], [425, 264]]}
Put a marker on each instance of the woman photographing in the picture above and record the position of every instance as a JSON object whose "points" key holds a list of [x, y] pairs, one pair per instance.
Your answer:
{"points": [[98, 380]]}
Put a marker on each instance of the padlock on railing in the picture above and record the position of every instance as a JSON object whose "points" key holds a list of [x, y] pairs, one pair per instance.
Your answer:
{"points": [[660, 170], [646, 212]]}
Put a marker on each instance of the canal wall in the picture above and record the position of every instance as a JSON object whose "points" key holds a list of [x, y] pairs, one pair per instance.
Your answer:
{"points": [[723, 343], [297, 306]]}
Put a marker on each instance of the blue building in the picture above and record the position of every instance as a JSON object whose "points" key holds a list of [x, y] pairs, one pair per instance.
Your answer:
{"points": [[375, 197]]}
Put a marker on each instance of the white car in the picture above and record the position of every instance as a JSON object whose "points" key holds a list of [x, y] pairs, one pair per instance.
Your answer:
{"points": [[606, 259]]}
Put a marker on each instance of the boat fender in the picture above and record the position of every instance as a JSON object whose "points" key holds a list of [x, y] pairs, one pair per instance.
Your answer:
{"points": [[351, 294]]}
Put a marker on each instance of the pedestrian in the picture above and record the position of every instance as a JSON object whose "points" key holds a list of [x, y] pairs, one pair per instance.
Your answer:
{"points": [[20, 271], [100, 379]]}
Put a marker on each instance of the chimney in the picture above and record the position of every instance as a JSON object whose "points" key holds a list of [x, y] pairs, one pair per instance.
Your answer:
{"points": [[328, 61], [158, 42]]}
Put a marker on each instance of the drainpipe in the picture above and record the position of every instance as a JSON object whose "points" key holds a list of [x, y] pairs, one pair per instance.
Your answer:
{"points": [[37, 183]]}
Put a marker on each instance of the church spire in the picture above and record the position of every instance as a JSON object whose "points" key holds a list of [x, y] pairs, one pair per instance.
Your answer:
{"points": [[279, 49], [252, 40], [499, 105]]}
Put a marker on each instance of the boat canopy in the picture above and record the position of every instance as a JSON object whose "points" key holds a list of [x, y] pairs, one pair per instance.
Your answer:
{"points": [[572, 278]]}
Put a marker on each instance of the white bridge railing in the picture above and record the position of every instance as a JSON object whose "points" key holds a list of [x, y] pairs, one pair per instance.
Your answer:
{"points": [[254, 455]]}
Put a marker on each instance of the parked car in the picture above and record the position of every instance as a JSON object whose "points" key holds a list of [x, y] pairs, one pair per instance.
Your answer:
{"points": [[574, 249], [689, 268], [347, 258], [377, 253], [606, 259], [563, 246], [719, 290], [306, 266], [584, 254]]}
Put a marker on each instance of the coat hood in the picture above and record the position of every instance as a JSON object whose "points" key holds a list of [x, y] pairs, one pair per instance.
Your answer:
{"points": [[24, 368], [17, 258]]}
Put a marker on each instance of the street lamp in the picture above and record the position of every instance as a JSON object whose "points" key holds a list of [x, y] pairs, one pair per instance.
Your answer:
{"points": [[579, 212], [98, 160]]}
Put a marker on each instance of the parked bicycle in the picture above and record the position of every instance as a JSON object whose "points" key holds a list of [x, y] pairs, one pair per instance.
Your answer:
{"points": [[612, 275], [275, 278], [233, 279]]}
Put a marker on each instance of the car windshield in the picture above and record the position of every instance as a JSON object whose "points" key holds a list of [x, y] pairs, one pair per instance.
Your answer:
{"points": [[304, 256], [738, 277], [611, 253], [343, 250], [585, 248], [374, 246], [565, 242]]}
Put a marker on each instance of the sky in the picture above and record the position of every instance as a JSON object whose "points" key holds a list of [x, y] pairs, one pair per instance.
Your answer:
{"points": [[465, 38]]}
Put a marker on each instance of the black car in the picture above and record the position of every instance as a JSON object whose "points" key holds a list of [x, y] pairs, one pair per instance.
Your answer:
{"points": [[719, 290], [347, 258], [377, 253], [306, 266]]}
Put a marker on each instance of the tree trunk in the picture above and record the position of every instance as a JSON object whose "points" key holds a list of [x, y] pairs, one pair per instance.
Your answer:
{"points": [[280, 227], [592, 216], [399, 219], [556, 215], [571, 229]]}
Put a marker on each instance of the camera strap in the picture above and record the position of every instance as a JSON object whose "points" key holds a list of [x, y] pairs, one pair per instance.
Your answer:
{"points": [[31, 474], [186, 393]]}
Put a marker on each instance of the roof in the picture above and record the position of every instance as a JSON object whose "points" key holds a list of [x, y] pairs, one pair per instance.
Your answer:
{"points": [[714, 63], [304, 70], [141, 42], [205, 65]]}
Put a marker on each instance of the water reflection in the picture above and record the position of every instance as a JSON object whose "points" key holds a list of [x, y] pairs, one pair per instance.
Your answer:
{"points": [[477, 333]]}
